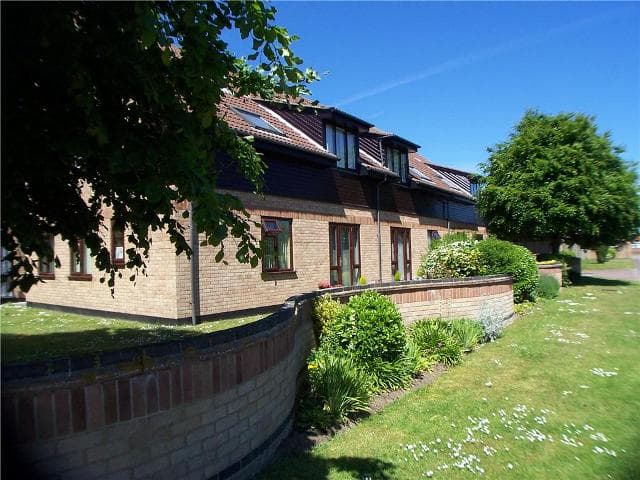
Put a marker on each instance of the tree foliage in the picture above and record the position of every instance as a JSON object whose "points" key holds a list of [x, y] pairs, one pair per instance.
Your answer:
{"points": [[123, 98], [557, 179]]}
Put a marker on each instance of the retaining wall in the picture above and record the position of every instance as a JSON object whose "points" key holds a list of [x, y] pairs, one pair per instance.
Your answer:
{"points": [[214, 406]]}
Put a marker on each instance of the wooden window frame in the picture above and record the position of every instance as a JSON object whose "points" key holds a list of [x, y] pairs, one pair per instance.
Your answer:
{"points": [[356, 140], [273, 234], [118, 263], [81, 249], [407, 251], [388, 153], [334, 233], [51, 274]]}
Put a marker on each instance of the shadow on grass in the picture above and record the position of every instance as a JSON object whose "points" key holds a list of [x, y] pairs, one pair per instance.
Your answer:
{"points": [[32, 347], [586, 281], [309, 467]]}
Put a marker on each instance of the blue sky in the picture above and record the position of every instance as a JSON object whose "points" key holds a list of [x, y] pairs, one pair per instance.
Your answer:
{"points": [[456, 77]]}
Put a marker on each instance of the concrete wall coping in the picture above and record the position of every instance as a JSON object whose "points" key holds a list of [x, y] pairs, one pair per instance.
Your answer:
{"points": [[549, 266]]}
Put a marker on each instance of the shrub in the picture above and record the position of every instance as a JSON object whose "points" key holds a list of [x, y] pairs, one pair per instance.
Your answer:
{"points": [[457, 259], [415, 358], [362, 280], [396, 276], [548, 287], [325, 311], [434, 340], [469, 333], [448, 238], [502, 257], [611, 253], [602, 253], [336, 380], [492, 321], [389, 375], [369, 327]]}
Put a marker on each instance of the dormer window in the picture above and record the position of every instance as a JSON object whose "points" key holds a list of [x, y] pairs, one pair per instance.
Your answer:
{"points": [[398, 162], [343, 144], [474, 187]]}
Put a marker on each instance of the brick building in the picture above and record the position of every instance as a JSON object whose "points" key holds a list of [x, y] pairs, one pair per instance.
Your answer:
{"points": [[342, 200]]}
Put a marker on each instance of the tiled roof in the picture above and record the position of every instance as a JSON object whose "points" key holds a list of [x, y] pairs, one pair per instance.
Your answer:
{"points": [[290, 136], [434, 174], [303, 130]]}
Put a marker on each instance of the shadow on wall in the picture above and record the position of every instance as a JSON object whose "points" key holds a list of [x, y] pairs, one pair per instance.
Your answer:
{"points": [[310, 467]]}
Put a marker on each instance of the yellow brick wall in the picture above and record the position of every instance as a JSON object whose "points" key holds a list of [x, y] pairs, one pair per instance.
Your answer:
{"points": [[166, 290], [236, 286], [152, 295]]}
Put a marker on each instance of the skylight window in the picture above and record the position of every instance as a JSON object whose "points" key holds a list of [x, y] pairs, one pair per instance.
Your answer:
{"points": [[421, 176], [257, 121]]}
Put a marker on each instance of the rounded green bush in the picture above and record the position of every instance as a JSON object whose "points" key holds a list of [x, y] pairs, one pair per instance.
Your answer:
{"points": [[369, 327], [325, 311], [548, 287], [502, 257], [452, 260]]}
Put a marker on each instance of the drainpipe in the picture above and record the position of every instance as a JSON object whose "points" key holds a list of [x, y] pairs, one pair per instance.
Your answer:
{"points": [[384, 180], [379, 227], [195, 268]]}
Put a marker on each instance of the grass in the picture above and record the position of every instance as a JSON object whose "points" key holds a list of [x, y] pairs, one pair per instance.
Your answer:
{"points": [[28, 333], [615, 264], [532, 405]]}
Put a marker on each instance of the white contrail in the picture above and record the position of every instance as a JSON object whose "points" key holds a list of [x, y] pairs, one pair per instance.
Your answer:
{"points": [[484, 54]]}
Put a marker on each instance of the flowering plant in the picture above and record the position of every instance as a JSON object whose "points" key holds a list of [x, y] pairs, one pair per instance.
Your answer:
{"points": [[457, 259], [323, 284]]}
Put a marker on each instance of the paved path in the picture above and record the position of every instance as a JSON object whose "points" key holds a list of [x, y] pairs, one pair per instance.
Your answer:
{"points": [[617, 274]]}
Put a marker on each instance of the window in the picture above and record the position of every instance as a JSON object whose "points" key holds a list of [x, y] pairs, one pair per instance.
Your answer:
{"points": [[117, 244], [473, 188], [80, 261], [431, 236], [277, 245], [398, 162], [344, 254], [257, 121], [47, 265], [401, 252], [343, 144]]}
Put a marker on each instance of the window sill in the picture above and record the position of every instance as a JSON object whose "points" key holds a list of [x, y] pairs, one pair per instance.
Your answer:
{"points": [[81, 277], [280, 275], [47, 276]]}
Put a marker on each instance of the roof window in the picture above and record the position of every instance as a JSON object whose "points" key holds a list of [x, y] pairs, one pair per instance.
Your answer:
{"points": [[257, 121]]}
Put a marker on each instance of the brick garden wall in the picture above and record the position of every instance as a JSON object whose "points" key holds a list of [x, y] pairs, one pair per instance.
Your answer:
{"points": [[209, 407], [551, 270]]}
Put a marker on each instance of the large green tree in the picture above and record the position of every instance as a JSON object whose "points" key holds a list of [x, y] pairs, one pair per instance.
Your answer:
{"points": [[557, 179], [123, 97]]}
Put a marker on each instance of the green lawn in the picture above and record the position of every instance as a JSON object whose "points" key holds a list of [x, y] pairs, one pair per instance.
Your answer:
{"points": [[28, 333], [615, 264], [558, 396]]}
